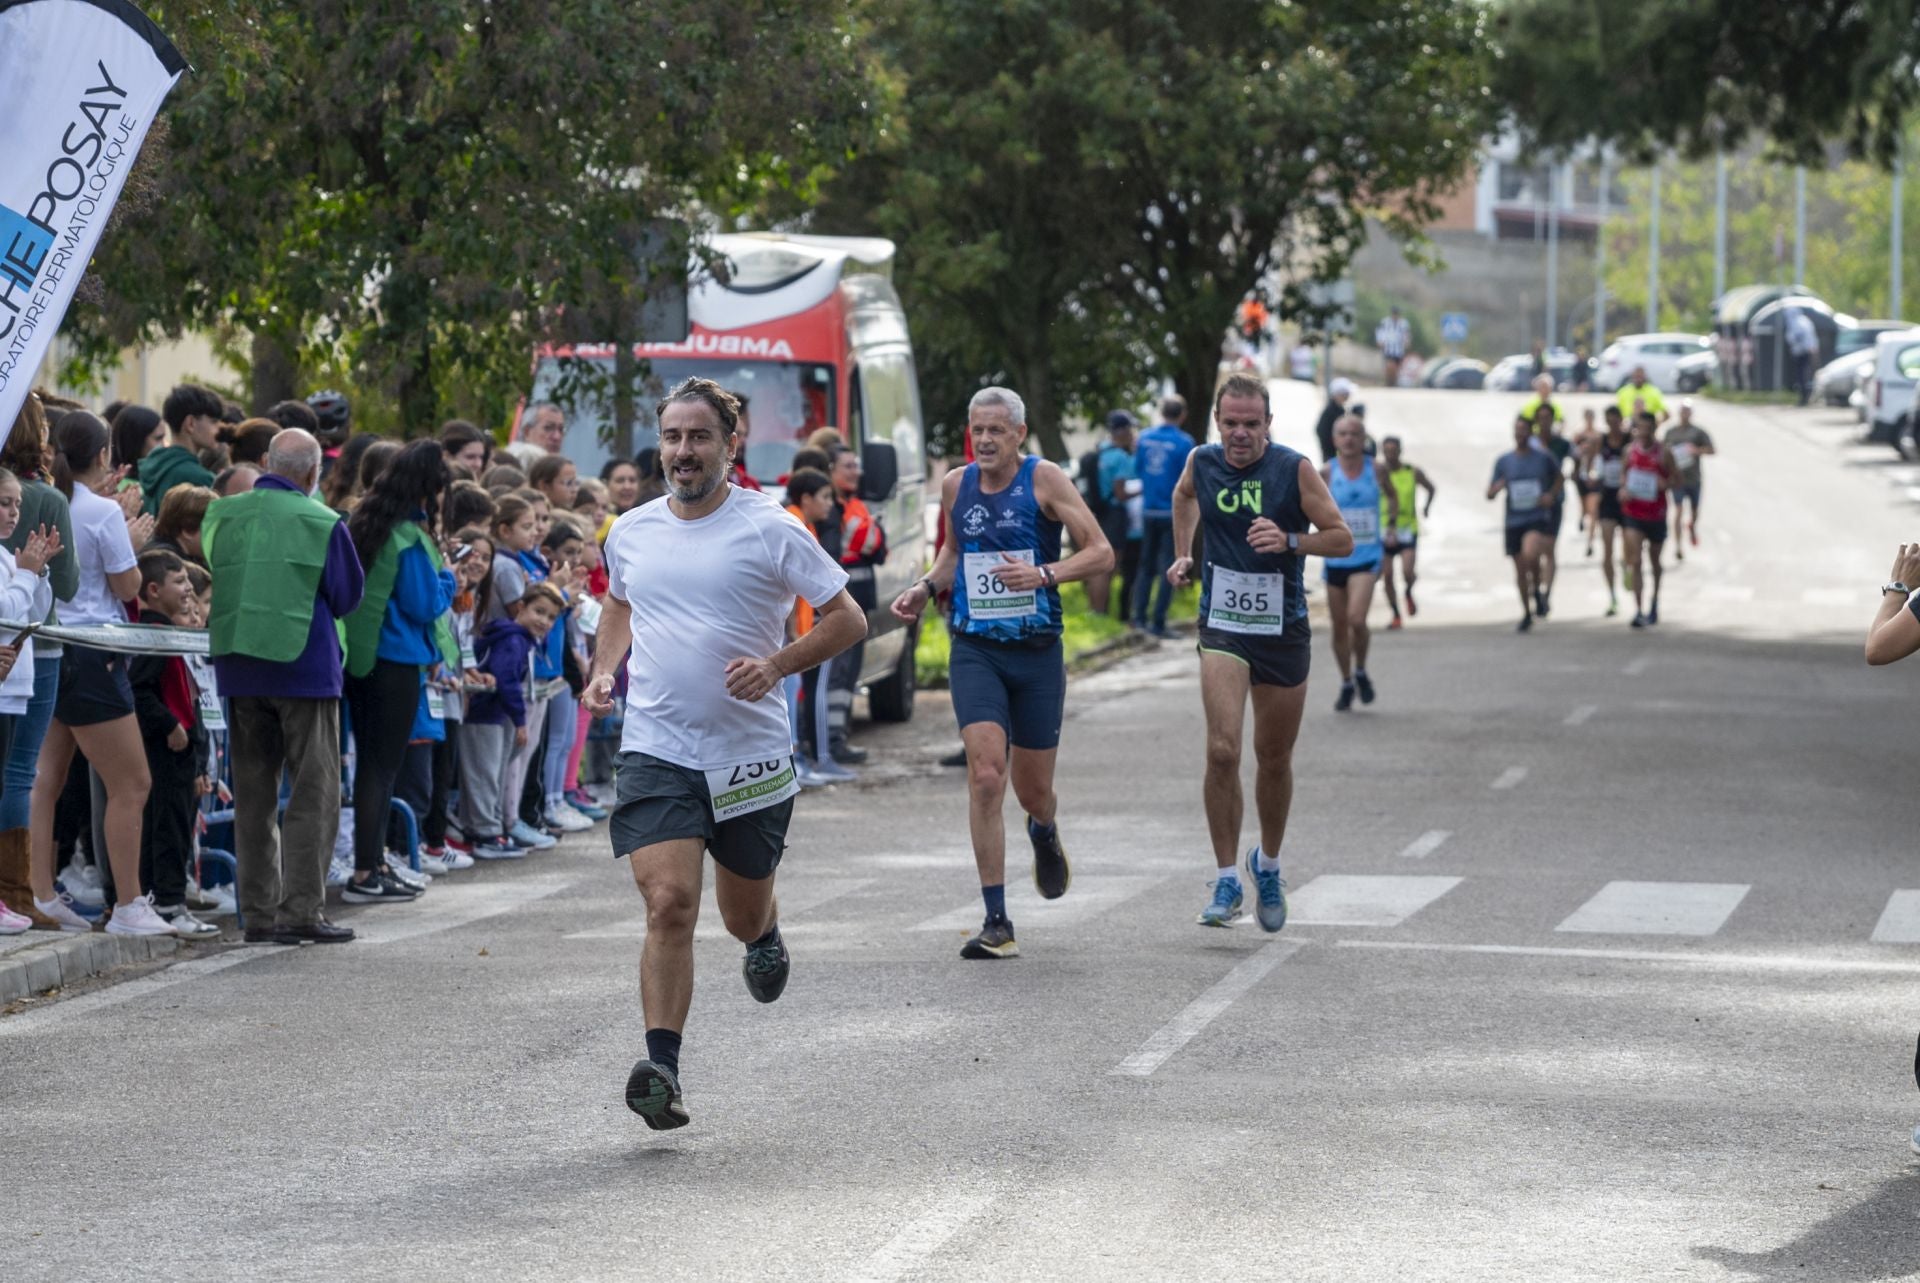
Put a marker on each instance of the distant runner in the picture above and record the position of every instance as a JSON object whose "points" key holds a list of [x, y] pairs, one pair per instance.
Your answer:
{"points": [[1606, 468], [1689, 443], [1361, 490], [1262, 508], [1406, 480], [1545, 437], [1643, 505], [1529, 478]]}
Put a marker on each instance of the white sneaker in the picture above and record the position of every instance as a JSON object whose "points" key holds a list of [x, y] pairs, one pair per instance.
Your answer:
{"points": [[60, 909], [138, 919], [11, 923], [403, 873], [340, 871], [563, 817], [82, 891], [433, 866], [224, 905], [82, 874], [185, 925], [455, 859]]}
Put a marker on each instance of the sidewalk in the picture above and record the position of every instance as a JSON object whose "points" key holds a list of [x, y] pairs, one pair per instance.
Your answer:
{"points": [[37, 961]]}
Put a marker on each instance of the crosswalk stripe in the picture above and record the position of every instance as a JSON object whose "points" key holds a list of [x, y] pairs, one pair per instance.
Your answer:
{"points": [[806, 893], [1426, 844], [1087, 898], [1509, 778], [1657, 908], [1900, 920], [1364, 900], [1579, 716]]}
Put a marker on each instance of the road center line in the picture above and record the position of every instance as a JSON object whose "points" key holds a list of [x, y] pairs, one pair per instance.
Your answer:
{"points": [[1637, 665], [1579, 716], [1426, 844], [1200, 1013], [1509, 778], [920, 1238], [1729, 961]]}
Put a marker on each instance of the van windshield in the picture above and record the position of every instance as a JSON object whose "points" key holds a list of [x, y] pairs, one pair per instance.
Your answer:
{"points": [[786, 401]]}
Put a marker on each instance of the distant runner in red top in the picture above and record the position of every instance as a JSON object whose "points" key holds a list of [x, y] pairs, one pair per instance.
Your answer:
{"points": [[1648, 475]]}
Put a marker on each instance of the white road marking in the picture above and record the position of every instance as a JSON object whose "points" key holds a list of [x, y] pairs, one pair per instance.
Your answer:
{"points": [[1900, 920], [36, 1019], [1830, 596], [1637, 665], [805, 893], [1087, 898], [921, 1237], [455, 906], [1726, 592], [1657, 908], [1509, 778], [1364, 900], [1579, 716], [1730, 961], [1426, 844], [1202, 1011]]}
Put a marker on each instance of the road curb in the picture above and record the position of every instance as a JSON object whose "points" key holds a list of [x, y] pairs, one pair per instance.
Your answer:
{"points": [[66, 958]]}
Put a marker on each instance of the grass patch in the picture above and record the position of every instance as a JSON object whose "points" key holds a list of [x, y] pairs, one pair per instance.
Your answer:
{"points": [[1740, 396], [1081, 631]]}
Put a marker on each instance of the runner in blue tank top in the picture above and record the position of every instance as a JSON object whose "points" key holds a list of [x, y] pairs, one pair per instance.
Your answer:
{"points": [[1008, 678], [1263, 508], [1362, 490]]}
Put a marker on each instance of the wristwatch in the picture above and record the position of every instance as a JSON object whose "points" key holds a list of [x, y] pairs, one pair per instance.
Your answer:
{"points": [[1293, 541], [1894, 585], [1053, 580]]}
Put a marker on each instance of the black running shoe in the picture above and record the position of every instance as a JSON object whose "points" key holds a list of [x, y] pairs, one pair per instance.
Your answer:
{"points": [[1639, 621], [653, 1092], [1653, 613], [379, 888], [1363, 684], [1052, 875], [766, 969], [1525, 625], [994, 941], [1345, 701], [1540, 603]]}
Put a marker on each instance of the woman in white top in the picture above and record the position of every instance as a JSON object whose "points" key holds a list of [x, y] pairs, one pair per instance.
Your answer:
{"points": [[94, 708], [25, 597]]}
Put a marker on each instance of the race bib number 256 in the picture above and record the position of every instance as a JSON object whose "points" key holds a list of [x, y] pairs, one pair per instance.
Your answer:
{"points": [[752, 786]]}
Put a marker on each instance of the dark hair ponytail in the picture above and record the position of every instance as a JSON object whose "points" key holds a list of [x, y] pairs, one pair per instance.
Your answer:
{"points": [[413, 482], [78, 439]]}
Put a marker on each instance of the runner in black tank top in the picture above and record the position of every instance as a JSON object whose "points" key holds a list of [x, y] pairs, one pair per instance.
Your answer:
{"points": [[1264, 508]]}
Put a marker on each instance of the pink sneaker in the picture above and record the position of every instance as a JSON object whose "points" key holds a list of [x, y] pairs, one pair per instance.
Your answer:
{"points": [[11, 923]]}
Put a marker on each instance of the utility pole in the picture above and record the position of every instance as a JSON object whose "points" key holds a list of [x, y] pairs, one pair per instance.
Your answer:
{"points": [[1653, 256], [1600, 261], [1799, 224], [1553, 257], [1719, 224]]}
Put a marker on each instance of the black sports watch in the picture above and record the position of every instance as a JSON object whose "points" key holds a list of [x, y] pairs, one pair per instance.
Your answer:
{"points": [[1894, 585]]}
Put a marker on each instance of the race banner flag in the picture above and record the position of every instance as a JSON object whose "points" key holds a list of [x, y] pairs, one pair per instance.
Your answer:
{"points": [[80, 81]]}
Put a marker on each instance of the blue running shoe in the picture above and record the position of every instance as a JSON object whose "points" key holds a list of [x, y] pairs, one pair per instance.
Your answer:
{"points": [[1226, 907], [1271, 889]]}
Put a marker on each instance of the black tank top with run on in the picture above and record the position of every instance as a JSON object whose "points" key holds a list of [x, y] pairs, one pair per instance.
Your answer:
{"points": [[1254, 594]]}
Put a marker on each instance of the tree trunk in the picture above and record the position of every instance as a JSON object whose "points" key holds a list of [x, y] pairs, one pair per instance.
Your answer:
{"points": [[275, 375], [1033, 380], [1197, 375]]}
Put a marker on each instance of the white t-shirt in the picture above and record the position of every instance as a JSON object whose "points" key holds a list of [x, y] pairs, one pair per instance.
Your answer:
{"points": [[102, 547], [704, 593]]}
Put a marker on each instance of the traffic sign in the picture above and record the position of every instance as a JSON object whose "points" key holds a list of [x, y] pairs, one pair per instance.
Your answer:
{"points": [[1453, 327]]}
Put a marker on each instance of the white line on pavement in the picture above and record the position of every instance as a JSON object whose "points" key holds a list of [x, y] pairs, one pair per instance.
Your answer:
{"points": [[1426, 844], [806, 893], [1200, 1013], [1089, 897], [1509, 778], [1579, 716], [1731, 961], [1365, 900], [1657, 908], [455, 906], [1900, 920], [36, 1019], [920, 1238], [1637, 665]]}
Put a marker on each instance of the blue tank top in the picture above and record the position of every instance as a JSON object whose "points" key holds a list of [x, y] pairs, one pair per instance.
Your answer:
{"points": [[1234, 596], [1359, 503], [988, 525]]}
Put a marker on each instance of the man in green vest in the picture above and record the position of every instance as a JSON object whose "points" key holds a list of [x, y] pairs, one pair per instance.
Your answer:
{"points": [[284, 572]]}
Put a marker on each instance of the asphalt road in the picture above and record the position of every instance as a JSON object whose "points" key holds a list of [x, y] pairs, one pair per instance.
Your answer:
{"points": [[1602, 966]]}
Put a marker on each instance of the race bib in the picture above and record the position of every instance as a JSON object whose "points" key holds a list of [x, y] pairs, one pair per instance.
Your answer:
{"points": [[1683, 454], [212, 716], [1364, 522], [987, 596], [1610, 473], [1406, 534], [742, 790], [1524, 494], [1239, 602], [1643, 484], [466, 655], [436, 704]]}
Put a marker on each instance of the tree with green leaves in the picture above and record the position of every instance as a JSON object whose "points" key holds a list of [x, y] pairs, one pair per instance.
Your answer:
{"points": [[427, 190]]}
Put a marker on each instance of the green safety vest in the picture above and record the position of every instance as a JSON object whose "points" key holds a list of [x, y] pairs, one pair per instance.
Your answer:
{"points": [[363, 625], [1403, 479], [267, 550]]}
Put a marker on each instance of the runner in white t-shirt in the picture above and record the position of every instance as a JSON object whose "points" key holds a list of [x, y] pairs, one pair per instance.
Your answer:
{"points": [[700, 587]]}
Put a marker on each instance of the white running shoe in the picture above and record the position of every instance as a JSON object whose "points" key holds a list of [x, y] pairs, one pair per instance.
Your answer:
{"points": [[11, 923], [60, 909], [224, 905], [340, 871], [404, 874], [563, 817], [185, 925], [84, 892], [138, 919], [434, 866], [455, 859]]}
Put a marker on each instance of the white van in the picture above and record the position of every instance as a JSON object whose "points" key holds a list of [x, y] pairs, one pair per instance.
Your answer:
{"points": [[1896, 370]]}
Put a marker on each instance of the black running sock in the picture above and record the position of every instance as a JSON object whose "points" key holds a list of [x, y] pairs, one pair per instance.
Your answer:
{"points": [[1038, 830], [663, 1049], [768, 940], [996, 898]]}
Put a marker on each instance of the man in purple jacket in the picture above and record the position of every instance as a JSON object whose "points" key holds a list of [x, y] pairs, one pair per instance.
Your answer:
{"points": [[284, 570]]}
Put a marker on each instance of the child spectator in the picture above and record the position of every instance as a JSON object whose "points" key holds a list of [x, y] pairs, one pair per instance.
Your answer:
{"points": [[167, 705], [496, 724], [810, 498], [470, 553]]}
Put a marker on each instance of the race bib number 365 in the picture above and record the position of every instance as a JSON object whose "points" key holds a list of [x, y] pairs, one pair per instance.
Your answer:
{"points": [[755, 786], [988, 596], [1239, 602]]}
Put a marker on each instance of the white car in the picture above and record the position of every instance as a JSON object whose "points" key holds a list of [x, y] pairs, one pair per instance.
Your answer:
{"points": [[1896, 370], [1658, 354]]}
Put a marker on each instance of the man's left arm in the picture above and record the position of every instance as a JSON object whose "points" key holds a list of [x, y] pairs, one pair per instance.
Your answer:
{"points": [[837, 625], [1060, 500]]}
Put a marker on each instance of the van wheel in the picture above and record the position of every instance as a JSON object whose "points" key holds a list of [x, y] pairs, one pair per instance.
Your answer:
{"points": [[891, 698]]}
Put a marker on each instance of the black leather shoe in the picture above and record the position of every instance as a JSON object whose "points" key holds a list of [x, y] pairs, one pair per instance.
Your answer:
{"points": [[848, 755], [270, 935], [318, 932]]}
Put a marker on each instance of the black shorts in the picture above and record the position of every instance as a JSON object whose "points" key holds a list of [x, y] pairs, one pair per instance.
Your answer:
{"points": [[1516, 535], [1274, 661], [1654, 528], [93, 687], [660, 801], [1582, 486], [1610, 506], [1019, 687], [1394, 550], [1337, 576]]}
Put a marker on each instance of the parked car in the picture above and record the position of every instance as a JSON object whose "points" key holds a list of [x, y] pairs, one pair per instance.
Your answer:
{"points": [[1858, 336], [1896, 370], [1658, 354], [1837, 380], [1515, 373], [1465, 375], [1696, 370]]}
